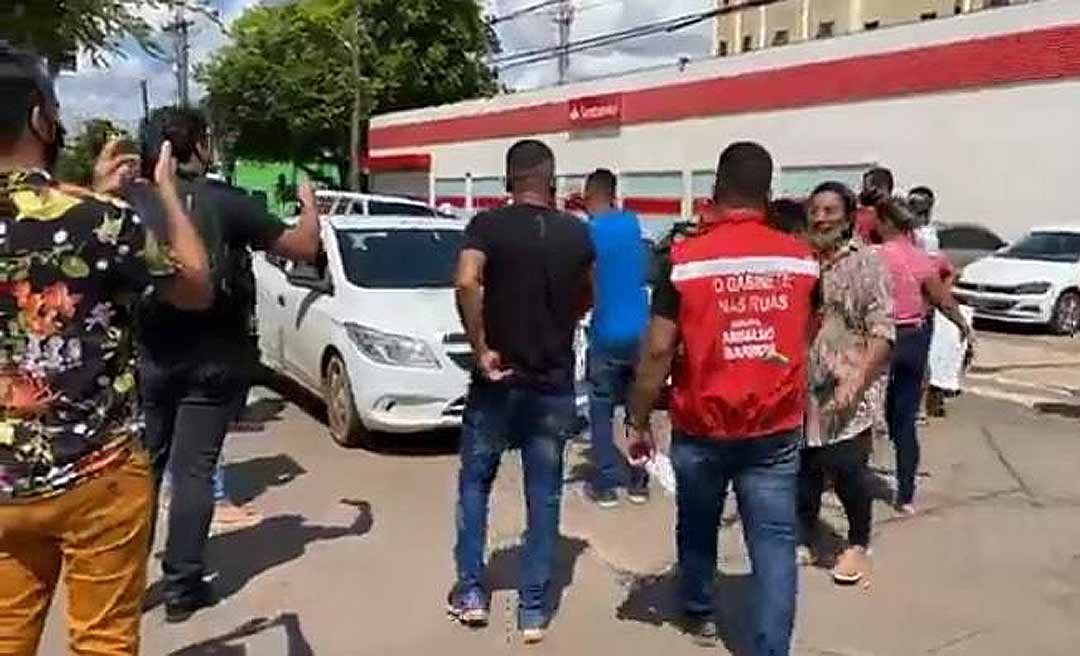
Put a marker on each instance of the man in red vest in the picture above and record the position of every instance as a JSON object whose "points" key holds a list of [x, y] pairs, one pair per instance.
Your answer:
{"points": [[732, 322]]}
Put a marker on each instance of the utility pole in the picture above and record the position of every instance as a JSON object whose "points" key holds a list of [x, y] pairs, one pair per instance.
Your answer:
{"points": [[564, 18], [180, 27], [144, 87]]}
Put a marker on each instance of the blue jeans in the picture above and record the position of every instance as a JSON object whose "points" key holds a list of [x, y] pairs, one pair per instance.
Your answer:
{"points": [[902, 404], [764, 472], [498, 417], [611, 371]]}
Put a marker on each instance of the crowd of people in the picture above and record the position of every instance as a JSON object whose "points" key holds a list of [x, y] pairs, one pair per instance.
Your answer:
{"points": [[790, 332]]}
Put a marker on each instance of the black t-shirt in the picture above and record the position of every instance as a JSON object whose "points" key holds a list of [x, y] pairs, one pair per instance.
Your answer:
{"points": [[230, 222], [538, 267]]}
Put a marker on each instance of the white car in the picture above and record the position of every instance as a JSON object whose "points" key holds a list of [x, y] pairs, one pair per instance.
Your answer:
{"points": [[1034, 281], [374, 330], [351, 203]]}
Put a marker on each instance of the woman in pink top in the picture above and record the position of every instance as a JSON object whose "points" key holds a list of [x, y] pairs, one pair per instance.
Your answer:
{"points": [[916, 287]]}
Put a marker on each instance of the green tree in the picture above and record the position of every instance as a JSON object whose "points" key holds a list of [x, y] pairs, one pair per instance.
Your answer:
{"points": [[299, 81], [76, 162], [57, 28]]}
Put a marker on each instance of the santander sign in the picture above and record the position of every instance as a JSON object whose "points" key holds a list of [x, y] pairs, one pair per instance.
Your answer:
{"points": [[596, 110]]}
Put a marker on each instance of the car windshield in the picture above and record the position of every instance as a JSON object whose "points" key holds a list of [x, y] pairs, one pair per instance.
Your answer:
{"points": [[391, 208], [400, 258], [1051, 246]]}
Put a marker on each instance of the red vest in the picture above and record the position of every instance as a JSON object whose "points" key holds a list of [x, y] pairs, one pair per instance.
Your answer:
{"points": [[745, 306]]}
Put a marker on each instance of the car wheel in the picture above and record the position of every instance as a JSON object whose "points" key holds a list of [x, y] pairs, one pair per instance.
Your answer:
{"points": [[345, 425], [1066, 317]]}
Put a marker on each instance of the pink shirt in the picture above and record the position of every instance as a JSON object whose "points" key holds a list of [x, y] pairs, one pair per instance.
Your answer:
{"points": [[909, 268]]}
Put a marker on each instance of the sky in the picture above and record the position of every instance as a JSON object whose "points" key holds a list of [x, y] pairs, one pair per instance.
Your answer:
{"points": [[113, 92]]}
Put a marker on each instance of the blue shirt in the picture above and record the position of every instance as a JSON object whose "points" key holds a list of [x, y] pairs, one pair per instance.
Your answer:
{"points": [[621, 300]]}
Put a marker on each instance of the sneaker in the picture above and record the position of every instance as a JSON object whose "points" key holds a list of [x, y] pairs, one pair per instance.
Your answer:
{"points": [[182, 609], [605, 498], [804, 557], [532, 636], [906, 509], [852, 566], [468, 607], [702, 629], [638, 490]]}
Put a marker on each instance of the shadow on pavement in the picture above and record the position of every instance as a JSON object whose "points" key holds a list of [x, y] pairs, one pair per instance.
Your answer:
{"points": [[242, 555], [654, 599], [504, 569], [226, 645], [1067, 410], [264, 411], [250, 479]]}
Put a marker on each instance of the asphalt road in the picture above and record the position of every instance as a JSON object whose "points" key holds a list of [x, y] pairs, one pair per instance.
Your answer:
{"points": [[353, 556]]}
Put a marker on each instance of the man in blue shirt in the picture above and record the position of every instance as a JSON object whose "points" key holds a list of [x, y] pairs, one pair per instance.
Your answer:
{"points": [[618, 321]]}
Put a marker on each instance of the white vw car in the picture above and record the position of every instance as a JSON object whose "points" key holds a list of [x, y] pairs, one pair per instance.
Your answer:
{"points": [[374, 329], [1034, 281]]}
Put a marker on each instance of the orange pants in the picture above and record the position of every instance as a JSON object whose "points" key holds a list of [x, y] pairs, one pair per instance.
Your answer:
{"points": [[99, 534]]}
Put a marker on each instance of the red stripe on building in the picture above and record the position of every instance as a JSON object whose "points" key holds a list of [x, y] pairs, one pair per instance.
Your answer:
{"points": [[397, 163], [1046, 54], [665, 206]]}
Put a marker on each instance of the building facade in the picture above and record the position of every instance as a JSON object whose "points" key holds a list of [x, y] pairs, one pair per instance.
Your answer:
{"points": [[791, 21], [980, 107]]}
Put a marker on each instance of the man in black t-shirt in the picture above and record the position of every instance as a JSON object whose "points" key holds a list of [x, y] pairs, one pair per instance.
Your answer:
{"points": [[522, 286], [193, 364]]}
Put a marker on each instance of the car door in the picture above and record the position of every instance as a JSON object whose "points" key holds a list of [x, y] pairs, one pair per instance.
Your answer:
{"points": [[306, 321], [270, 285]]}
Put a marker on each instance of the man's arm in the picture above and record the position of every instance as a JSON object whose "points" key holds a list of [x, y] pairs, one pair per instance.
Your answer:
{"points": [[653, 368], [189, 288], [302, 243], [469, 283]]}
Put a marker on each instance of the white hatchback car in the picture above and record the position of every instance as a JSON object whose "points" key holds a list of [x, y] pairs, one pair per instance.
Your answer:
{"points": [[373, 330], [1034, 281]]}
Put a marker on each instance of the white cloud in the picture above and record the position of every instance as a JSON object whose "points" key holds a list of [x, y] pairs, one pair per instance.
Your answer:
{"points": [[114, 92]]}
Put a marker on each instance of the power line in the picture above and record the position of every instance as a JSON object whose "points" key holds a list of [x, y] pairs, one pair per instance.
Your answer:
{"points": [[673, 24], [518, 13]]}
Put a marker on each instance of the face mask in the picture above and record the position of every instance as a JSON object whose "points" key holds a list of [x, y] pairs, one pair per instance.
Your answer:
{"points": [[828, 240]]}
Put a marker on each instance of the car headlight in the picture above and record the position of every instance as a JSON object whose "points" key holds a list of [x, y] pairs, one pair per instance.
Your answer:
{"points": [[1033, 288], [387, 348]]}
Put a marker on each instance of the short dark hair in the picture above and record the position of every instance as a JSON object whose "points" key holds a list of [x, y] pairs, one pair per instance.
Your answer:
{"points": [[184, 127], [788, 215], [843, 191], [529, 161], [923, 190], [744, 174], [602, 181], [23, 85], [880, 177]]}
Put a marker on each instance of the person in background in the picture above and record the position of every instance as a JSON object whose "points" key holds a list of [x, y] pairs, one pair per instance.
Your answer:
{"points": [[523, 282], [921, 201], [788, 215], [877, 183], [949, 354], [75, 488], [847, 390], [733, 323], [192, 364], [916, 286], [618, 321]]}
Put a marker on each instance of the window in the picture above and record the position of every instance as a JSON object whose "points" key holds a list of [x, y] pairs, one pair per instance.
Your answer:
{"points": [[1048, 246], [968, 238], [390, 208], [998, 3], [722, 49], [871, 25], [825, 29], [928, 15], [400, 259], [747, 43], [324, 204], [781, 38]]}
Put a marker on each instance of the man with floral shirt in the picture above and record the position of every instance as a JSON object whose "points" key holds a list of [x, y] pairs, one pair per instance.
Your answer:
{"points": [[847, 388], [74, 481]]}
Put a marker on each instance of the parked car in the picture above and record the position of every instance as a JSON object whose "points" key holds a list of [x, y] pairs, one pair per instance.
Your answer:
{"points": [[1034, 281], [373, 328], [348, 203], [963, 243]]}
